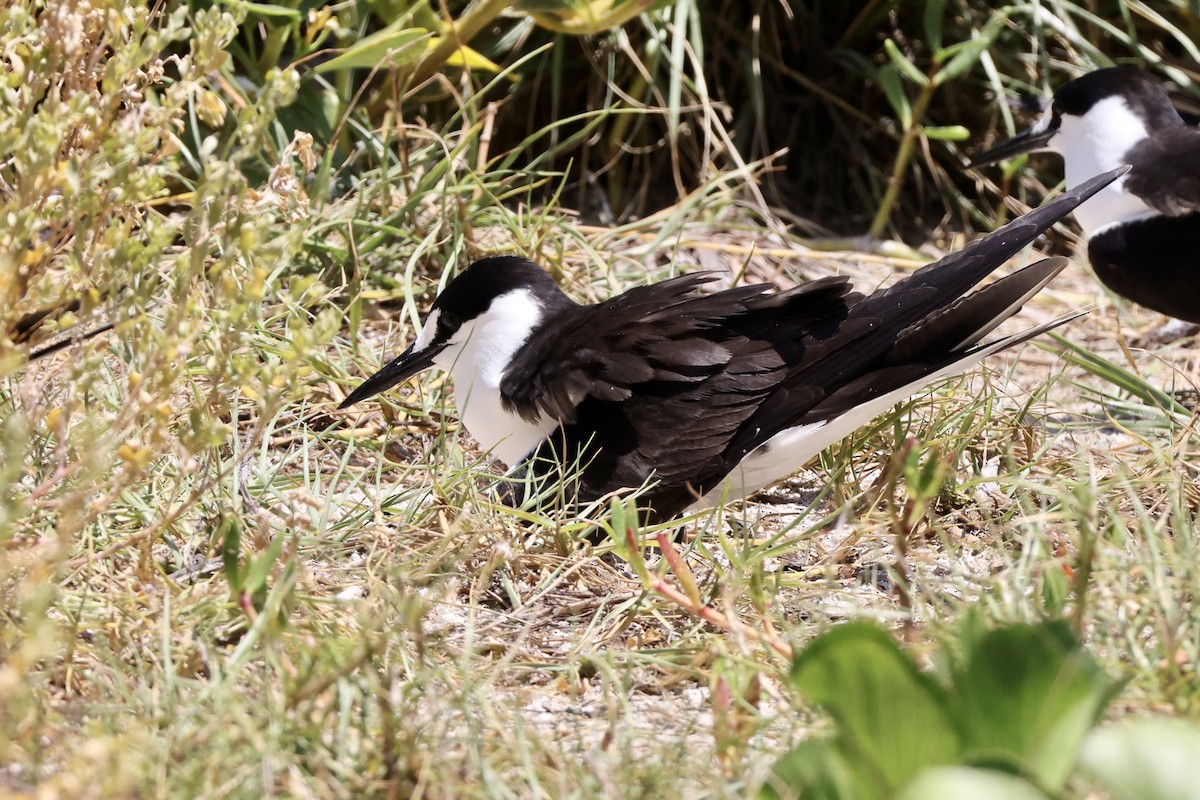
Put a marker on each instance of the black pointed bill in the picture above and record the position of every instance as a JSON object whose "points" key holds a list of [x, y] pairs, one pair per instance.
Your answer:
{"points": [[1027, 142], [399, 369]]}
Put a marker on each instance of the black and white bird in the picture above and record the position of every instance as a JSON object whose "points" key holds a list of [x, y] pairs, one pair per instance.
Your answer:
{"points": [[707, 397], [1143, 230]]}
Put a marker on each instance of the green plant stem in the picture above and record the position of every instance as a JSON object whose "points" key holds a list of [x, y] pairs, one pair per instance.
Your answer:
{"points": [[457, 34], [903, 156]]}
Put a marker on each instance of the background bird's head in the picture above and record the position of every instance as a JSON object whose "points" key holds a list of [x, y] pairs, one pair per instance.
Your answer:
{"points": [[1093, 122]]}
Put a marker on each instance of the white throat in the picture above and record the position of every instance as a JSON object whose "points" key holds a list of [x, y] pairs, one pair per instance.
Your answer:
{"points": [[1094, 143], [476, 360]]}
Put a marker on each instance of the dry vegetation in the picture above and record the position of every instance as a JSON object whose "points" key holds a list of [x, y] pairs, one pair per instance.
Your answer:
{"points": [[214, 584]]}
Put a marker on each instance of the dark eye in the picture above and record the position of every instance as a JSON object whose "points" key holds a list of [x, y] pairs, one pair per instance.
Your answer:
{"points": [[447, 323]]}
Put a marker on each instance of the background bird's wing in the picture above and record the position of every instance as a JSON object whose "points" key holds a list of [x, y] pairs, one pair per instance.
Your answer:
{"points": [[1166, 170]]}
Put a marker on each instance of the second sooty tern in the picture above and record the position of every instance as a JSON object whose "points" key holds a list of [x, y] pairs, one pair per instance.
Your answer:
{"points": [[706, 397], [1143, 230]]}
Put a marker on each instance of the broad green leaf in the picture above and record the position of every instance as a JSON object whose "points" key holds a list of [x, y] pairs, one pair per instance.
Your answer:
{"points": [[579, 17], [903, 64], [888, 713], [622, 520], [315, 110], [947, 133], [949, 51], [552, 6], [410, 13], [1149, 759], [816, 770], [893, 90], [963, 60], [395, 46], [958, 783], [1027, 697]]}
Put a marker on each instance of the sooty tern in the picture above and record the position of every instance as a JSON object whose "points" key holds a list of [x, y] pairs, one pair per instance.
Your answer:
{"points": [[708, 396], [1143, 230]]}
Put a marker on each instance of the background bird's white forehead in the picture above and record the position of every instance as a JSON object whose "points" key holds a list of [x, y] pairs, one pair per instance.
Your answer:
{"points": [[428, 329], [1043, 122]]}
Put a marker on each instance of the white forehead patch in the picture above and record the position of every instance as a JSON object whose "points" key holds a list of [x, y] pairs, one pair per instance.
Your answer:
{"points": [[427, 331], [1043, 122]]}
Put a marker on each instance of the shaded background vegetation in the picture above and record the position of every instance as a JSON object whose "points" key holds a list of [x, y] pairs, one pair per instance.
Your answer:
{"points": [[640, 115]]}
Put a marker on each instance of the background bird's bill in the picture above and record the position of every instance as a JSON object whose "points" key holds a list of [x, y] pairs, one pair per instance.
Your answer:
{"points": [[1030, 141]]}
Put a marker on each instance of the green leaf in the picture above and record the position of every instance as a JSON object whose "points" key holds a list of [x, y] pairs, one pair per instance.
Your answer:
{"points": [[934, 18], [1150, 759], [956, 783], [314, 110], [893, 90], [815, 770], [889, 714], [466, 57], [580, 17], [965, 54], [230, 534], [620, 519], [264, 9], [1054, 589], [552, 6], [904, 65], [397, 47], [946, 133], [260, 567], [1027, 697]]}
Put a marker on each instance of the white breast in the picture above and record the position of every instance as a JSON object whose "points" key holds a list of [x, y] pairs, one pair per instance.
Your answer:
{"points": [[483, 347], [1094, 143]]}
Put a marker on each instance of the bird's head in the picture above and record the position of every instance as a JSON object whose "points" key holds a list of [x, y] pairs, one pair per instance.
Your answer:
{"points": [[489, 310], [1093, 121]]}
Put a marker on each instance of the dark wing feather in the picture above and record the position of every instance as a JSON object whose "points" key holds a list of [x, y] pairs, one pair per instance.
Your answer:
{"points": [[1152, 261], [689, 401], [657, 333], [848, 351], [605, 350], [968, 319], [1166, 170]]}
